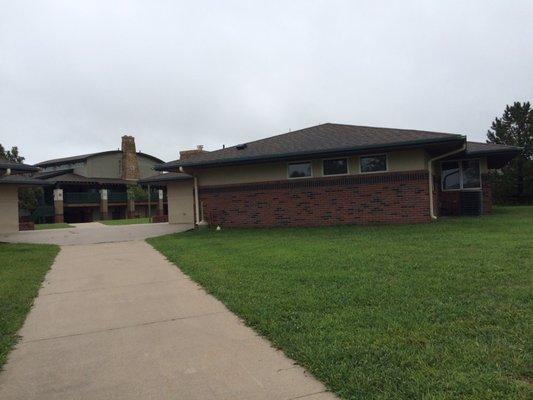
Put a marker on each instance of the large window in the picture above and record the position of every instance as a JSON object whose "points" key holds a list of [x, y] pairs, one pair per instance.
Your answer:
{"points": [[299, 170], [456, 175], [338, 166], [377, 163]]}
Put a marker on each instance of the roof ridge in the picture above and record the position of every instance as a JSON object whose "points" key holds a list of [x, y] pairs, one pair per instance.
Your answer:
{"points": [[396, 129]]}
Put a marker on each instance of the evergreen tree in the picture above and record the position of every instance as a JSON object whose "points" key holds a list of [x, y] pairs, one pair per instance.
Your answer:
{"points": [[515, 182]]}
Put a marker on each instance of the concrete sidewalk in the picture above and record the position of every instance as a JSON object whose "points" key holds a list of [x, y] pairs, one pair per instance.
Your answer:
{"points": [[94, 232], [118, 321]]}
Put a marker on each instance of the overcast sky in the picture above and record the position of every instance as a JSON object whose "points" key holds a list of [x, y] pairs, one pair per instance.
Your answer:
{"points": [[76, 75]]}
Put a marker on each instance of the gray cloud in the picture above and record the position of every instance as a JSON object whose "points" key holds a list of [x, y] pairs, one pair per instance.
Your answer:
{"points": [[75, 76]]}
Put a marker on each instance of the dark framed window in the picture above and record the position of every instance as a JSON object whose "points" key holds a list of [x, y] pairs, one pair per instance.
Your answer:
{"points": [[338, 166], [457, 175], [451, 175], [377, 163], [299, 170], [471, 174]]}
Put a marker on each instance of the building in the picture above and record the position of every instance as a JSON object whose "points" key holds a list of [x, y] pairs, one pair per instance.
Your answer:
{"points": [[95, 186], [334, 174], [13, 176]]}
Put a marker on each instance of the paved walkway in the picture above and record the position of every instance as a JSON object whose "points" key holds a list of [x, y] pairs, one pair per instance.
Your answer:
{"points": [[94, 232], [118, 321]]}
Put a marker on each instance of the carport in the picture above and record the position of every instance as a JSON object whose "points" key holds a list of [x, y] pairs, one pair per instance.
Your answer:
{"points": [[12, 177], [180, 195]]}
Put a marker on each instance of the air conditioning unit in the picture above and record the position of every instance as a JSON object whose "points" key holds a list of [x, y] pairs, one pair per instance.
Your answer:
{"points": [[471, 203]]}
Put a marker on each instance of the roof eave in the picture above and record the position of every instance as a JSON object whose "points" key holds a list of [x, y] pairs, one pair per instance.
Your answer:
{"points": [[19, 167], [511, 150], [329, 152]]}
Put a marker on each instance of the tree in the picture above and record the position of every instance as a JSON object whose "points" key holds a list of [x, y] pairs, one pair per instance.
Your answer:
{"points": [[28, 197], [11, 155], [514, 183]]}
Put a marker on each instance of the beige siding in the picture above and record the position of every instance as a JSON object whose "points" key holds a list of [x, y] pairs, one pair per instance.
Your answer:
{"points": [[9, 210], [180, 202], [105, 166], [242, 174], [109, 166], [146, 166], [408, 160]]}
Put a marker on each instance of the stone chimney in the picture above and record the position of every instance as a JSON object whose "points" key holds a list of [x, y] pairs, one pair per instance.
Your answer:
{"points": [[186, 154], [130, 165]]}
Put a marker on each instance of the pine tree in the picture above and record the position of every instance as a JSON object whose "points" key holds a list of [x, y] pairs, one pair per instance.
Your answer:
{"points": [[515, 128]]}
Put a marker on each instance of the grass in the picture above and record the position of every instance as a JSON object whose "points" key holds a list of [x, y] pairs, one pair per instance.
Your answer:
{"points": [[22, 269], [52, 226], [130, 221], [430, 311]]}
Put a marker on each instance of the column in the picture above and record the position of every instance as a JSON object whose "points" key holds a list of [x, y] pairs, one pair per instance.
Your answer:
{"points": [[104, 207], [130, 207], [58, 206], [160, 208]]}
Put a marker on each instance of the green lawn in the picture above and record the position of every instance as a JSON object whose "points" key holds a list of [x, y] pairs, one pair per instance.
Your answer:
{"points": [[52, 226], [130, 221], [22, 269], [430, 311]]}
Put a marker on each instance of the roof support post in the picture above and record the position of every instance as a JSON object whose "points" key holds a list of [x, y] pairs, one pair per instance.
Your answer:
{"points": [[149, 202]]}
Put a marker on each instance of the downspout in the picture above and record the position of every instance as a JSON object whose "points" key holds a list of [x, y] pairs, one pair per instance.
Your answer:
{"points": [[196, 200], [430, 170]]}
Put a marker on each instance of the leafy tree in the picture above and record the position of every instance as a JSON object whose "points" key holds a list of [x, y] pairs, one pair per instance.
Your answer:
{"points": [[28, 197], [11, 155], [514, 183]]}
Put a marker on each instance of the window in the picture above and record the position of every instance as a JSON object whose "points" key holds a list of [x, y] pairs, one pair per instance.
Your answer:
{"points": [[335, 167], [450, 175], [471, 176], [376, 163], [299, 170], [458, 175]]}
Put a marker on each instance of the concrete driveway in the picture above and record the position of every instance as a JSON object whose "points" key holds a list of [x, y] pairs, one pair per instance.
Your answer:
{"points": [[118, 321], [94, 232]]}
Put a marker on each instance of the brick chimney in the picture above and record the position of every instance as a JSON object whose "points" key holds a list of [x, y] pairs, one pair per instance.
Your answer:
{"points": [[186, 154], [130, 165]]}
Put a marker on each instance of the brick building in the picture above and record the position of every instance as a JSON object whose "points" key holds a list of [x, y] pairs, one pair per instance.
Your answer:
{"points": [[333, 174]]}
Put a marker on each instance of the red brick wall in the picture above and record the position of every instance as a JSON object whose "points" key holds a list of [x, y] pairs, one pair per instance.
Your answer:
{"points": [[400, 197], [450, 203]]}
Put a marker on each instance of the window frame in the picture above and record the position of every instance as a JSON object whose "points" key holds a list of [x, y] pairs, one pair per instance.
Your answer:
{"points": [[337, 158], [300, 162], [374, 155], [460, 164]]}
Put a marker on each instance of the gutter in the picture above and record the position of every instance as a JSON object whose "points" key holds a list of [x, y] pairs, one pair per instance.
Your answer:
{"points": [[285, 156], [430, 170]]}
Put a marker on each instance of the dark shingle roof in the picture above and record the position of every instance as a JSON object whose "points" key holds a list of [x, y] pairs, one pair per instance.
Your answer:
{"points": [[79, 179], [22, 180], [83, 157], [5, 164], [164, 178], [320, 139], [478, 148]]}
